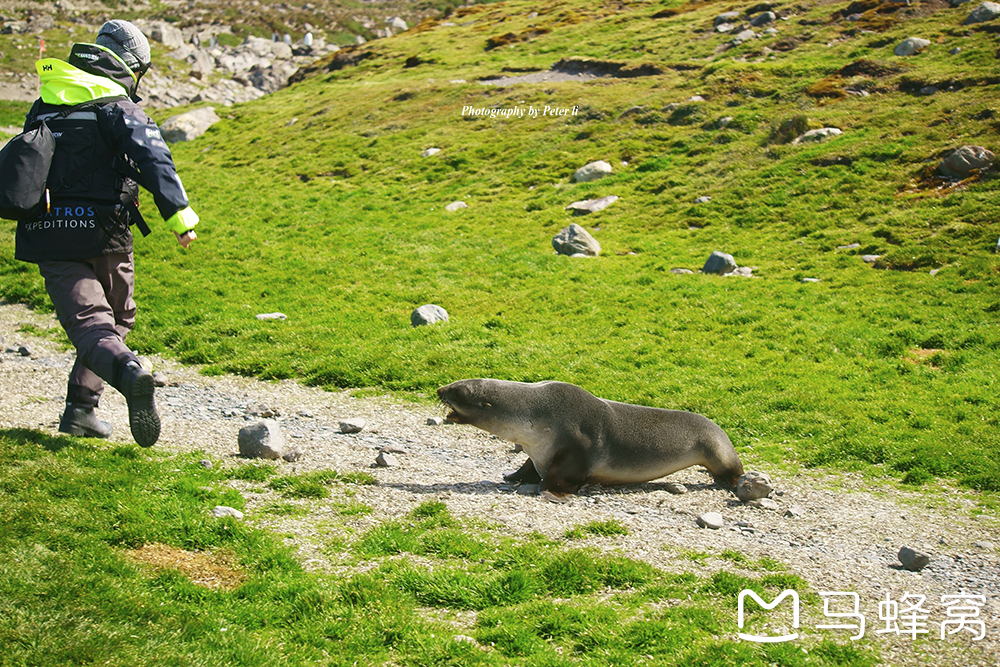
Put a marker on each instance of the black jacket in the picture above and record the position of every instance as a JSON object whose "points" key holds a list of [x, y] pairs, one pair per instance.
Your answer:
{"points": [[88, 213]]}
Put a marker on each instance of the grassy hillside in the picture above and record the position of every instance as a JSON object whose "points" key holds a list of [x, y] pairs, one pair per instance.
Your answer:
{"points": [[317, 202]]}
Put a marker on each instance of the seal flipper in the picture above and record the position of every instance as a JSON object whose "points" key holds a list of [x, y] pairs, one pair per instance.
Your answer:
{"points": [[526, 474], [566, 474]]}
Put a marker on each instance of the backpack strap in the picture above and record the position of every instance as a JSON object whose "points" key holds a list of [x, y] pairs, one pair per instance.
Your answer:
{"points": [[125, 168]]}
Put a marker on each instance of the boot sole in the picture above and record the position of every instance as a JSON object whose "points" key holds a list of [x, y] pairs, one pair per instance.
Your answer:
{"points": [[143, 419]]}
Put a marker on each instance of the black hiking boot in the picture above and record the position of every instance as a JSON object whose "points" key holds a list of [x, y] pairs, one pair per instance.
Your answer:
{"points": [[81, 420], [136, 385]]}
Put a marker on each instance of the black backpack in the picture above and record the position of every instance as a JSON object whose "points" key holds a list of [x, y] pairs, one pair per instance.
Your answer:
{"points": [[26, 162], [24, 171]]}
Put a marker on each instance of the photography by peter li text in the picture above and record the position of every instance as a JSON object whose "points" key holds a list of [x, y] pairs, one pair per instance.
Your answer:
{"points": [[911, 615], [520, 112]]}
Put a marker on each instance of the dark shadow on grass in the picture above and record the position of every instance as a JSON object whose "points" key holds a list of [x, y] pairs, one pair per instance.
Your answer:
{"points": [[23, 436]]}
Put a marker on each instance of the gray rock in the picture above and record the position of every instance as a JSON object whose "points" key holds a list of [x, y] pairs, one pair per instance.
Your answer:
{"points": [[741, 272], [293, 456], [680, 271], [397, 24], [795, 511], [724, 122], [810, 280], [712, 520], [744, 36], [456, 205], [961, 162], [206, 464], [386, 460], [753, 485], [763, 19], [436, 421], [220, 511], [765, 504], [591, 171], [391, 449], [725, 27], [575, 240], [870, 259], [354, 425], [189, 126], [911, 46], [719, 262], [272, 316], [818, 135], [987, 11], [849, 246], [262, 440], [675, 488], [727, 17], [25, 350], [984, 545], [166, 34], [428, 314], [913, 560], [588, 206], [160, 380], [527, 490], [430, 151], [703, 200]]}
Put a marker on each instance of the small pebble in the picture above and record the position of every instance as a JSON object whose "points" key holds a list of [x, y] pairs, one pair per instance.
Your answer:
{"points": [[386, 460]]}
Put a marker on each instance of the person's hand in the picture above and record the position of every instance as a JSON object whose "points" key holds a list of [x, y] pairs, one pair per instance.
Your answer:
{"points": [[186, 238]]}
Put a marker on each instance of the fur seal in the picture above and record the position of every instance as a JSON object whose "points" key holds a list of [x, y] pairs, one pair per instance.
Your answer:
{"points": [[574, 438]]}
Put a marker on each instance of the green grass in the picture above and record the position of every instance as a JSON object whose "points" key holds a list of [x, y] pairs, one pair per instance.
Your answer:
{"points": [[337, 220], [76, 515]]}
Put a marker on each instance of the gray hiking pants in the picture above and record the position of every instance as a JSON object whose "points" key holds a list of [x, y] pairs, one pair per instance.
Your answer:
{"points": [[93, 300]]}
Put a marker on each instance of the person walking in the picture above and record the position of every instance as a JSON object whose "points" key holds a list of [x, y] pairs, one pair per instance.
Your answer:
{"points": [[81, 237]]}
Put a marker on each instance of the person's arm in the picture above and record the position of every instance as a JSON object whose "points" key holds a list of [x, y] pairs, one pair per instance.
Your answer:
{"points": [[139, 138]]}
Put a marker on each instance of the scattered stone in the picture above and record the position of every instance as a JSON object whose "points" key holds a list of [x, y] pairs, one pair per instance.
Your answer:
{"points": [[428, 314], [264, 411], [206, 464], [727, 17], [763, 19], [765, 504], [911, 46], [575, 240], [719, 262], [391, 449], [695, 98], [355, 425], [817, 135], [681, 272], [24, 350], [591, 171], [588, 206], [430, 151], [740, 272], [984, 545], [702, 200], [166, 34], [724, 122], [160, 379], [725, 27], [262, 440], [928, 90], [795, 511], [712, 520], [744, 36], [456, 206], [272, 316], [850, 246], [189, 126], [962, 161], [913, 560], [222, 510], [675, 488], [955, 51], [753, 485], [293, 456], [870, 259], [397, 24], [386, 460], [436, 421], [810, 280], [987, 11]]}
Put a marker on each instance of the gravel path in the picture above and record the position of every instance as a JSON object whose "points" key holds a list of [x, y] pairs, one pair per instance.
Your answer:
{"points": [[845, 541]]}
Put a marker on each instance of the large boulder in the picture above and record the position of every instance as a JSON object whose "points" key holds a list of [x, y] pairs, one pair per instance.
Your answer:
{"points": [[719, 262], [575, 240], [189, 126], [961, 162], [911, 46], [591, 171], [987, 11]]}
